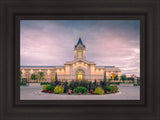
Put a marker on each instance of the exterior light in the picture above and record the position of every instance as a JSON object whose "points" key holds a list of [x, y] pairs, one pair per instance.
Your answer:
{"points": [[31, 71], [23, 71], [48, 71]]}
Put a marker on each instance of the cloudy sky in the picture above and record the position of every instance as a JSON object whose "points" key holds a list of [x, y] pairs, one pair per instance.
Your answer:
{"points": [[108, 42]]}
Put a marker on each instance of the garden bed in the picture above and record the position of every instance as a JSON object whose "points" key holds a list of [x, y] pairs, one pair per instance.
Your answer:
{"points": [[78, 94], [80, 88]]}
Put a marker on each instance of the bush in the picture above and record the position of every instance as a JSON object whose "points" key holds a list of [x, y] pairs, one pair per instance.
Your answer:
{"points": [[117, 83], [45, 87], [45, 83], [108, 88], [84, 83], [59, 90], [50, 88], [23, 83], [115, 88], [138, 84], [81, 90], [99, 91]]}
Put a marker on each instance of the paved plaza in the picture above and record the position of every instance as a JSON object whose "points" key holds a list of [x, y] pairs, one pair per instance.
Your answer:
{"points": [[34, 93]]}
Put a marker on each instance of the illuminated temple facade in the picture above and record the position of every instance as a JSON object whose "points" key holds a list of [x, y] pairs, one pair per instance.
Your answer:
{"points": [[78, 69]]}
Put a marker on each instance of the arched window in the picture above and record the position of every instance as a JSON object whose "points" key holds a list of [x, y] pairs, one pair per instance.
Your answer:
{"points": [[80, 75], [80, 53], [52, 76]]}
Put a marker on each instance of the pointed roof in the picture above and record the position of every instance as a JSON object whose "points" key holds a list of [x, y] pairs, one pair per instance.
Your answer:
{"points": [[80, 42]]}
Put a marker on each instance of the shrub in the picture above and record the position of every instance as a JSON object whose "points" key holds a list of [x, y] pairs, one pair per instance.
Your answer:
{"points": [[81, 90], [23, 84], [59, 90], [99, 91], [115, 88], [45, 87], [50, 88], [108, 88], [117, 83], [45, 83], [84, 83], [138, 84]]}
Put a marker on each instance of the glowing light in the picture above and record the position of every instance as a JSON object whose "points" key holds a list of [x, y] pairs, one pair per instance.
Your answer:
{"points": [[31, 71], [40, 70], [48, 72], [23, 71], [107, 74]]}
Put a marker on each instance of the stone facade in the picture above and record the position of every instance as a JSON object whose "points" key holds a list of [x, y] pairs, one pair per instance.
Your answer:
{"points": [[78, 69]]}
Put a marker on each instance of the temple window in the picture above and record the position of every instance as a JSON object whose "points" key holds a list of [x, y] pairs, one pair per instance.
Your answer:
{"points": [[80, 53]]}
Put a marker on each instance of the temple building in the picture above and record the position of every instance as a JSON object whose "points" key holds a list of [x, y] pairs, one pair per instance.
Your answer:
{"points": [[78, 69]]}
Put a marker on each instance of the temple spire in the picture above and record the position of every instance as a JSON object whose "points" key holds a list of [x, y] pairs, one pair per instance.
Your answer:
{"points": [[79, 42]]}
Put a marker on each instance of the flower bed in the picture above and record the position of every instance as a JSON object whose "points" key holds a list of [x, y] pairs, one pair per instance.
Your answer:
{"points": [[79, 90]]}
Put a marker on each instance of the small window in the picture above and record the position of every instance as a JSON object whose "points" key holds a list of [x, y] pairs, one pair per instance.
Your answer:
{"points": [[79, 53]]}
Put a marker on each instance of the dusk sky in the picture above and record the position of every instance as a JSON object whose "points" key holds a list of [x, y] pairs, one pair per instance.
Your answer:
{"points": [[108, 42]]}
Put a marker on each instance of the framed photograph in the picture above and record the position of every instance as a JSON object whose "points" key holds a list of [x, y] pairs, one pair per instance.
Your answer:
{"points": [[80, 60], [44, 48]]}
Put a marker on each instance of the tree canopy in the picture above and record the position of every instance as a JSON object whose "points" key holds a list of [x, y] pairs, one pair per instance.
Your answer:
{"points": [[40, 75], [33, 77], [116, 77], [123, 77]]}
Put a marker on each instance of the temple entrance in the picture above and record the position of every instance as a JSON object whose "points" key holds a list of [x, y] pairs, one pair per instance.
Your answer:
{"points": [[80, 75]]}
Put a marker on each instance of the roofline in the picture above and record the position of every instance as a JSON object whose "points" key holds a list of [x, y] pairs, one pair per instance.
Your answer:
{"points": [[41, 66]]}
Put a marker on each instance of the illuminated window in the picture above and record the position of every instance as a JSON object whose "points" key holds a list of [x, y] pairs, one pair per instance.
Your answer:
{"points": [[52, 77], [79, 53], [80, 75]]}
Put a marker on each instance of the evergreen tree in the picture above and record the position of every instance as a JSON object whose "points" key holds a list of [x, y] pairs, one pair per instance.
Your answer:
{"points": [[116, 77], [123, 77], [40, 76], [104, 77]]}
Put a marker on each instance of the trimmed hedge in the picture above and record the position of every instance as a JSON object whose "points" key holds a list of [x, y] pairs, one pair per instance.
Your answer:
{"points": [[99, 91], [45, 87], [138, 84], [23, 84], [115, 83], [50, 88], [108, 88], [45, 83], [81, 90], [115, 88], [59, 90]]}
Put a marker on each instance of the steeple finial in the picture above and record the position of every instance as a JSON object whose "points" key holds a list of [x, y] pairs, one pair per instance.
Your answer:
{"points": [[79, 42]]}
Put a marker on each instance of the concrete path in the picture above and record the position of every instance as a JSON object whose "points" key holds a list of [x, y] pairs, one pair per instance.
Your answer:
{"points": [[34, 93]]}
